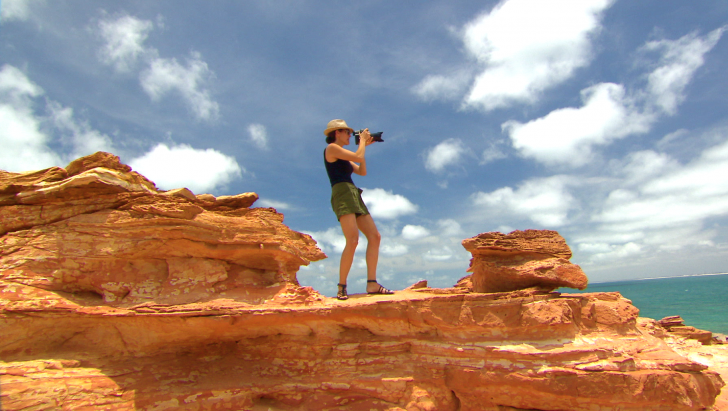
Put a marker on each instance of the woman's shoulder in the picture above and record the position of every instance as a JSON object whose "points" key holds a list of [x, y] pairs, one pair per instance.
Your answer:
{"points": [[330, 152]]}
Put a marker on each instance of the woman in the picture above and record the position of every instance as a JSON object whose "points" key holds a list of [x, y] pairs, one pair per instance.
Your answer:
{"points": [[348, 205]]}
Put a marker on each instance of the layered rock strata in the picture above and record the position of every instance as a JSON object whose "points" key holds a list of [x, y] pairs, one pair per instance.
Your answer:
{"points": [[117, 296], [522, 259], [676, 325], [97, 232], [427, 350]]}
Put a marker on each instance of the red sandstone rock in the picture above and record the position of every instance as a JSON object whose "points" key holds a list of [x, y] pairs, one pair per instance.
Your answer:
{"points": [[117, 296], [675, 325], [520, 260], [105, 233], [413, 350]]}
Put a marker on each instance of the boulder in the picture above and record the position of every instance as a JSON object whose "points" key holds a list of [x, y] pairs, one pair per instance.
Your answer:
{"points": [[522, 259]]}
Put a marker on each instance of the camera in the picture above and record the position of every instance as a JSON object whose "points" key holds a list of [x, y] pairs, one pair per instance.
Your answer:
{"points": [[375, 136]]}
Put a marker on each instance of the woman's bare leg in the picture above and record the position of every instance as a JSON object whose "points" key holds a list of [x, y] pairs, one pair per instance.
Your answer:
{"points": [[369, 228], [351, 234]]}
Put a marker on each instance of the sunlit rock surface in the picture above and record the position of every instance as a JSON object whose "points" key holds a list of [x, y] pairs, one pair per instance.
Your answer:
{"points": [[522, 259], [98, 231], [117, 296]]}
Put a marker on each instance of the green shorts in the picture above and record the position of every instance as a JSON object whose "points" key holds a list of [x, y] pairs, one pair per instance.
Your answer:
{"points": [[346, 199]]}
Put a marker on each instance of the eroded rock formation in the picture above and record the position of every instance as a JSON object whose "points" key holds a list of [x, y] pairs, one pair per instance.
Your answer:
{"points": [[676, 325], [97, 230], [117, 296], [522, 259]]}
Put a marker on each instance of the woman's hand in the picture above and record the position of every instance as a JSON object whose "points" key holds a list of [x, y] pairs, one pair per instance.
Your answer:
{"points": [[365, 137]]}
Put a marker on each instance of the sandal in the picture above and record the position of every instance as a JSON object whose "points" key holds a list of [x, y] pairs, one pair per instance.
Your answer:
{"points": [[381, 289], [342, 295]]}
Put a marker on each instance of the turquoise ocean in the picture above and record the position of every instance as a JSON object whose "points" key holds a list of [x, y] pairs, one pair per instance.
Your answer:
{"points": [[701, 300]]}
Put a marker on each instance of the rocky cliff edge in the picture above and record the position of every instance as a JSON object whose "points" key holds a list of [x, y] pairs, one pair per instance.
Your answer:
{"points": [[115, 295]]}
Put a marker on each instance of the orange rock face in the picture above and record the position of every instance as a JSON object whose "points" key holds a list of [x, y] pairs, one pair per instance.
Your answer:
{"points": [[117, 296], [520, 260], [674, 324], [102, 232]]}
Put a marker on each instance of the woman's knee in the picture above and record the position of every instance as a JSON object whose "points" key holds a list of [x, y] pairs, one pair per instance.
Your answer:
{"points": [[374, 237], [352, 241]]}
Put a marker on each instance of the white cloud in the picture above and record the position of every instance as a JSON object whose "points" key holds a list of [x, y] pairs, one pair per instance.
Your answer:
{"points": [[493, 153], [646, 165], [258, 135], [278, 205], [124, 41], [24, 145], [414, 232], [522, 48], [183, 166], [435, 87], [330, 239], [545, 201], [444, 154], [386, 205], [167, 75], [83, 139], [566, 136], [17, 9], [449, 228], [26, 135], [677, 196], [602, 252], [443, 253], [16, 87], [391, 249], [680, 59]]}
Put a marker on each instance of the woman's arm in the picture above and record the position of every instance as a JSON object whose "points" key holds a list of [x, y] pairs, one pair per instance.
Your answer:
{"points": [[361, 168], [335, 152]]}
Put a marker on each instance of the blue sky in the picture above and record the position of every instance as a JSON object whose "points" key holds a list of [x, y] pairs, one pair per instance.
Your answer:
{"points": [[604, 120]]}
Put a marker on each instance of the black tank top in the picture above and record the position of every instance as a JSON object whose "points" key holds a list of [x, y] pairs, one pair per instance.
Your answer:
{"points": [[339, 171]]}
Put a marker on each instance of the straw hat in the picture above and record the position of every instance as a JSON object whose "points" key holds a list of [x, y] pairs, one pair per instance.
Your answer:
{"points": [[336, 125]]}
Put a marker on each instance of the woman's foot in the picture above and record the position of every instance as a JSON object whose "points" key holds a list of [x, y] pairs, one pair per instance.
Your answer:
{"points": [[342, 295], [373, 287]]}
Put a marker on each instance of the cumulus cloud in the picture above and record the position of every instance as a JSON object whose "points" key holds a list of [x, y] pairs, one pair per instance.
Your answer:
{"points": [[414, 232], [124, 39], [278, 205], [447, 153], [680, 59], [446, 87], [449, 228], [386, 205], [567, 136], [493, 153], [675, 196], [20, 10], [443, 253], [258, 135], [24, 144], [200, 170], [27, 133], [330, 240], [393, 249], [545, 201], [520, 49], [83, 139], [165, 76]]}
